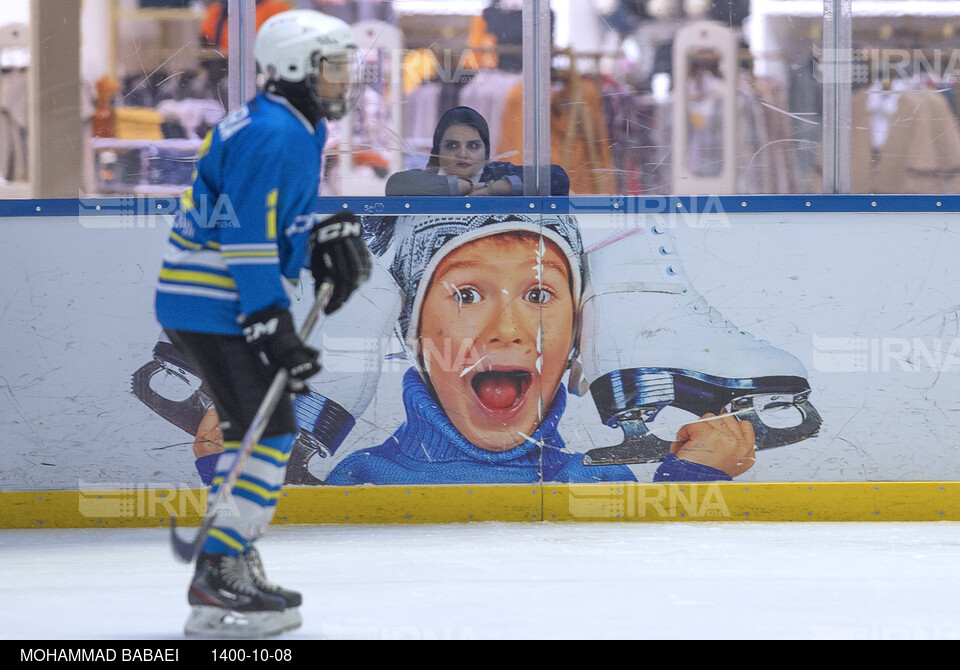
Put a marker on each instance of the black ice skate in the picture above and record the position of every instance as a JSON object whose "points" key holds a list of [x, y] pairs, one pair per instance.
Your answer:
{"points": [[292, 599], [226, 602]]}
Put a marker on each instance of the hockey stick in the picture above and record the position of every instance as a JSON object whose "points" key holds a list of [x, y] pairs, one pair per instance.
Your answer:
{"points": [[186, 550]]}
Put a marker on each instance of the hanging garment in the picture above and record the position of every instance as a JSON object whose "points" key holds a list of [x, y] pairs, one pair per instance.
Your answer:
{"points": [[919, 145], [13, 124], [213, 29], [487, 93], [483, 45], [767, 156], [705, 104], [196, 116], [420, 118], [506, 25], [629, 119], [579, 139], [353, 11]]}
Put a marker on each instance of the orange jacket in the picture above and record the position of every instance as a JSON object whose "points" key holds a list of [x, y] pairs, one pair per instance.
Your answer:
{"points": [[212, 21]]}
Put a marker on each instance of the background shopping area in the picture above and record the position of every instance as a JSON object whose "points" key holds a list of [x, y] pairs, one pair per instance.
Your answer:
{"points": [[646, 97]]}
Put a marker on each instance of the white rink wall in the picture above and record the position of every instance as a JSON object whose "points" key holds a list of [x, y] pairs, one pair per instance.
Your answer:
{"points": [[868, 302]]}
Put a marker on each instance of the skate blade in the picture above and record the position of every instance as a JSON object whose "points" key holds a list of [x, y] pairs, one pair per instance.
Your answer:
{"points": [[218, 623], [755, 408]]}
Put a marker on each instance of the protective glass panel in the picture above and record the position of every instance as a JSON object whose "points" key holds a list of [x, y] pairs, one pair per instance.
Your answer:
{"points": [[107, 97], [162, 87], [692, 97], [421, 59]]}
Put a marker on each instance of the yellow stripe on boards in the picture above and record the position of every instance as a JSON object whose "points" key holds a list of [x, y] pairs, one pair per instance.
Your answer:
{"points": [[725, 501]]}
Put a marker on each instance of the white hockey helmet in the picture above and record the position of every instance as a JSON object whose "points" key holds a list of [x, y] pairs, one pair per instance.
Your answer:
{"points": [[292, 46]]}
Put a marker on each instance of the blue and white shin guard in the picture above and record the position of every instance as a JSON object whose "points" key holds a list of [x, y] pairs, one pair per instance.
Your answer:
{"points": [[248, 511]]}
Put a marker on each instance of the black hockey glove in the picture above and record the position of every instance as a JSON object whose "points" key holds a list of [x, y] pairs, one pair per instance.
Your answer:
{"points": [[339, 255], [270, 331]]}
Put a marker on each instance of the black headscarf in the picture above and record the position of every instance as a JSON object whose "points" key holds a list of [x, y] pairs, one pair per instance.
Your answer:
{"points": [[459, 116]]}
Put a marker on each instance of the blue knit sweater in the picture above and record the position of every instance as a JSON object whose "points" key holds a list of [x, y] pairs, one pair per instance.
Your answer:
{"points": [[428, 449]]}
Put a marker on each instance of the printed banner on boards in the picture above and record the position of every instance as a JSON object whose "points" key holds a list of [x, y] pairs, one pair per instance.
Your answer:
{"points": [[512, 348]]}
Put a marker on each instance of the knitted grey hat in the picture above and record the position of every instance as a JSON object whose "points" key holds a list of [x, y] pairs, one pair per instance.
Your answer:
{"points": [[421, 242]]}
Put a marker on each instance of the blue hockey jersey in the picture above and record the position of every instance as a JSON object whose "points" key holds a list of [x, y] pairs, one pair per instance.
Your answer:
{"points": [[242, 228]]}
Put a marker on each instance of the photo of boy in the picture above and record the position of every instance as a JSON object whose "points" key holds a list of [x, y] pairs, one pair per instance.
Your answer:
{"points": [[489, 323]]}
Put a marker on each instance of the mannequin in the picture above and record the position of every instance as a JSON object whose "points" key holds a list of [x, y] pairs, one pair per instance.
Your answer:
{"points": [[661, 9], [696, 8]]}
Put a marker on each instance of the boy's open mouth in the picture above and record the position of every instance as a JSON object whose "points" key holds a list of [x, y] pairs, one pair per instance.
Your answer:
{"points": [[501, 389]]}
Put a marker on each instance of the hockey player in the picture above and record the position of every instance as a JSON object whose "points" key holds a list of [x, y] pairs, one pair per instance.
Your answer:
{"points": [[246, 226]]}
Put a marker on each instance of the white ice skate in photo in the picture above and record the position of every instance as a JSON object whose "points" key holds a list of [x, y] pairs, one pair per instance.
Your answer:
{"points": [[649, 340]]}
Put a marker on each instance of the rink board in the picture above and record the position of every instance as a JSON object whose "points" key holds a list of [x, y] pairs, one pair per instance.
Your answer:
{"points": [[861, 289], [724, 501]]}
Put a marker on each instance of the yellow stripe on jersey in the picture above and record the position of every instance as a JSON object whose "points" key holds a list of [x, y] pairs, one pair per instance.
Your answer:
{"points": [[272, 197], [205, 145], [249, 254], [184, 242], [197, 277], [186, 198]]}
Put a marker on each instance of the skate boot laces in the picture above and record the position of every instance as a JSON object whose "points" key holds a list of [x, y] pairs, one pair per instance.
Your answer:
{"points": [[255, 569], [701, 306]]}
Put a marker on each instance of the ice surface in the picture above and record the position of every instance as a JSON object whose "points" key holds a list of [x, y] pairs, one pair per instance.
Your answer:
{"points": [[513, 581]]}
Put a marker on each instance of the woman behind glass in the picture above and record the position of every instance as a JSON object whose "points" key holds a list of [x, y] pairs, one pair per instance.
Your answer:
{"points": [[460, 163]]}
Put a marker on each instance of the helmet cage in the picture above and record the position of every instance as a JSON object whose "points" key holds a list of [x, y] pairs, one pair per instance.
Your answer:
{"points": [[335, 69]]}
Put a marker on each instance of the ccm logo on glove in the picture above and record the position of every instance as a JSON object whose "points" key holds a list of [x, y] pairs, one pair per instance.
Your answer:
{"points": [[271, 333], [260, 330], [339, 256], [337, 229]]}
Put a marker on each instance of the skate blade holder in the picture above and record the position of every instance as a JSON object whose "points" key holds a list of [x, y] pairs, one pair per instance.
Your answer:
{"points": [[172, 392], [639, 444], [762, 410]]}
